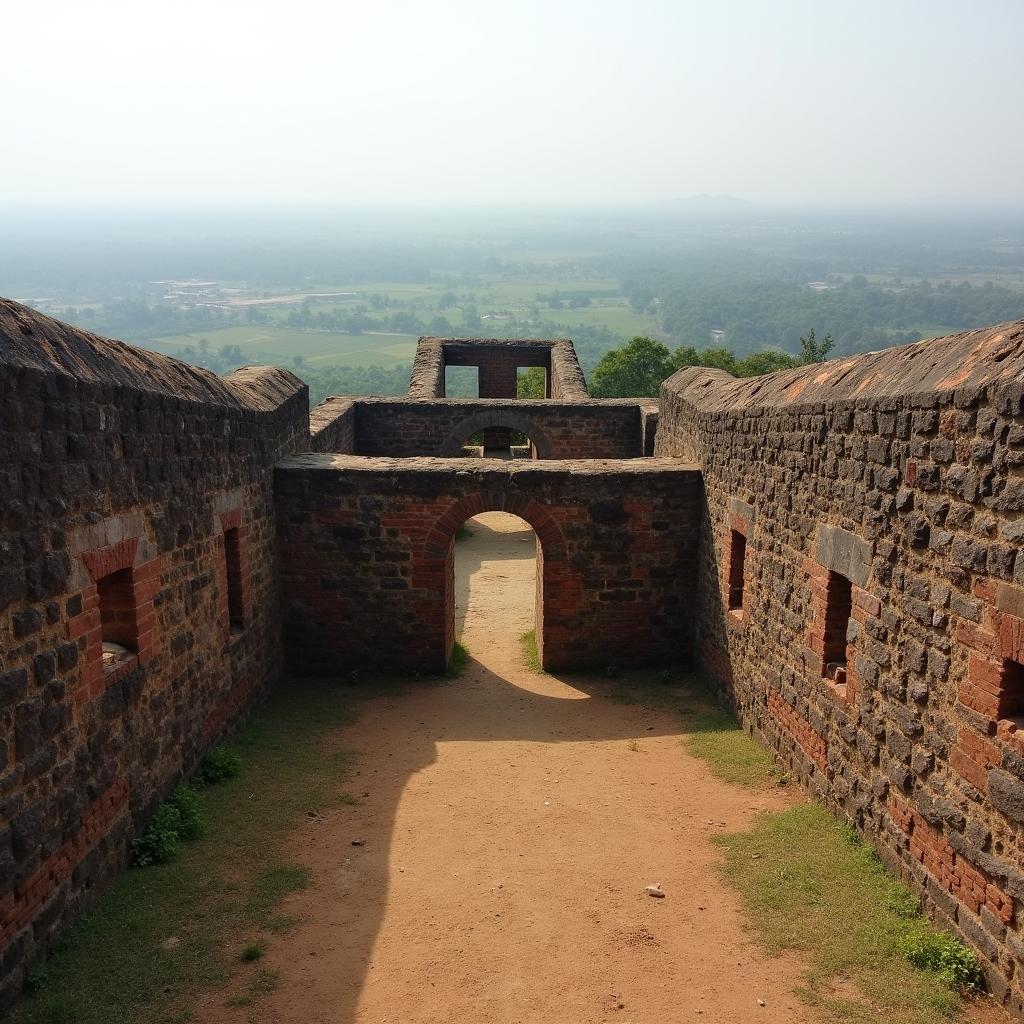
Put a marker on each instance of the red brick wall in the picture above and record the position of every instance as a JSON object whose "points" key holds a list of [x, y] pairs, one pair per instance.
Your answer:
{"points": [[368, 555]]}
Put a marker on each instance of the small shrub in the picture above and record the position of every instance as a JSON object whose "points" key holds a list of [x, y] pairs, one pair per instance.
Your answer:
{"points": [[251, 952], [459, 659], [945, 956], [187, 802], [179, 817], [218, 765], [159, 843], [463, 533], [633, 745]]}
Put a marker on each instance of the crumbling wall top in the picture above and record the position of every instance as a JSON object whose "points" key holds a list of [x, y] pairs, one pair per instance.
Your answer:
{"points": [[32, 340], [971, 361]]}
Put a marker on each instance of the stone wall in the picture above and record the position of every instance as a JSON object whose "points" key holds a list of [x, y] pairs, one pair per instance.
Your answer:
{"points": [[137, 505], [367, 548], [332, 426], [559, 430], [862, 602]]}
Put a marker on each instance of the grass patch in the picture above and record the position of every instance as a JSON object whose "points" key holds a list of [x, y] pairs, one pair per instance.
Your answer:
{"points": [[531, 656], [811, 886], [463, 533], [459, 660], [166, 931], [263, 982], [717, 738]]}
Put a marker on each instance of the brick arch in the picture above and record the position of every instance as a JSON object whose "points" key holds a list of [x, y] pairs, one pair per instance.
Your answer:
{"points": [[508, 418], [549, 533], [437, 563]]}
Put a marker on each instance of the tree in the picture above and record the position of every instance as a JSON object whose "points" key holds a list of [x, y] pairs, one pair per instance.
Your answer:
{"points": [[533, 383], [634, 371], [812, 351]]}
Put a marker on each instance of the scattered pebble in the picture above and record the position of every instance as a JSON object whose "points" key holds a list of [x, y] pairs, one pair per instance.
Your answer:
{"points": [[655, 890], [171, 943], [358, 842]]}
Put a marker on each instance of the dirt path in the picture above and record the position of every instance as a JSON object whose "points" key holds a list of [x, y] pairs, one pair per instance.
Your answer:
{"points": [[511, 822]]}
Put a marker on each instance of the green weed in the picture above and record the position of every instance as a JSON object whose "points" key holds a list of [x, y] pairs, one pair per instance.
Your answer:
{"points": [[531, 656], [219, 765], [459, 660]]}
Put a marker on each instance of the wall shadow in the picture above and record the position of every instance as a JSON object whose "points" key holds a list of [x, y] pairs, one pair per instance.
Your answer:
{"points": [[400, 729]]}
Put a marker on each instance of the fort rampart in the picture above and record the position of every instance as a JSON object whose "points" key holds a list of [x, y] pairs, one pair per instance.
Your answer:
{"points": [[862, 601], [124, 476], [840, 547]]}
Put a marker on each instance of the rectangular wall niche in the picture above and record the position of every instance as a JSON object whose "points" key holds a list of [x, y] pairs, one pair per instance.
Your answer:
{"points": [[236, 598], [1011, 693], [118, 618], [737, 564], [838, 606]]}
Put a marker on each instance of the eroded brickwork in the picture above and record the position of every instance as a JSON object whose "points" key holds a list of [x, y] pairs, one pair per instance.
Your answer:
{"points": [[891, 482], [121, 472]]}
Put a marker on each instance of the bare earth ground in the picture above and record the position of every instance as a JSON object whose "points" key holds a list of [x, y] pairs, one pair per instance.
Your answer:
{"points": [[509, 830]]}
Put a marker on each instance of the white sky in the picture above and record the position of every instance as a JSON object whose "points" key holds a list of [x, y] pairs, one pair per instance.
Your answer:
{"points": [[532, 100]]}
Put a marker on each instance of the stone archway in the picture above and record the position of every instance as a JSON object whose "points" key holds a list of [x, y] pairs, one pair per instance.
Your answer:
{"points": [[508, 419], [438, 561]]}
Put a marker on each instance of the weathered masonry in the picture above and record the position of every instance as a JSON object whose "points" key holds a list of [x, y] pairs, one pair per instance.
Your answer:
{"points": [[838, 546], [368, 552], [862, 602]]}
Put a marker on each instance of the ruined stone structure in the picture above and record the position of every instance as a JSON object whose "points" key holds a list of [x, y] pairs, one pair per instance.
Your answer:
{"points": [[838, 546]]}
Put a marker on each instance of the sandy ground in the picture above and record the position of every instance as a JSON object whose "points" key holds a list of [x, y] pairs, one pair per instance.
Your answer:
{"points": [[509, 829]]}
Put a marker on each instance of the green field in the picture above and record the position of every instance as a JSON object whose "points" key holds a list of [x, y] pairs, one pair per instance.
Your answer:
{"points": [[271, 344], [276, 340]]}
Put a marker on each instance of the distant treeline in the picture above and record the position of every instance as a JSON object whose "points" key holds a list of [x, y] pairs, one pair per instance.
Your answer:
{"points": [[763, 312]]}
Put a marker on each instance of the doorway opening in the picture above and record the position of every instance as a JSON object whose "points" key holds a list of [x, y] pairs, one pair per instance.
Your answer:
{"points": [[496, 599], [499, 443]]}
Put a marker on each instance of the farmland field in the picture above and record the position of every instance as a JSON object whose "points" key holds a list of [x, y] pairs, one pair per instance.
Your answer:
{"points": [[274, 344]]}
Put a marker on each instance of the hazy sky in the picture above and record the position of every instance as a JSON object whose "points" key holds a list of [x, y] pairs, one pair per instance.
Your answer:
{"points": [[535, 100]]}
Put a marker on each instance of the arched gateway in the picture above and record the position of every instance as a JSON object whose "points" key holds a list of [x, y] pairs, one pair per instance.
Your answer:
{"points": [[368, 562]]}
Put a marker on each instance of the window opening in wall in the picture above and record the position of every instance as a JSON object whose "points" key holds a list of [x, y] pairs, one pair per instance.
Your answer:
{"points": [[461, 382], [233, 558], [532, 382], [737, 560], [499, 443], [118, 629], [1011, 693], [838, 606]]}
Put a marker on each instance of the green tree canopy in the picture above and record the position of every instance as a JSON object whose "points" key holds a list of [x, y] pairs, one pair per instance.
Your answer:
{"points": [[637, 369], [634, 371]]}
